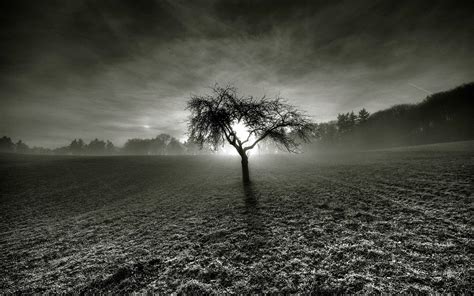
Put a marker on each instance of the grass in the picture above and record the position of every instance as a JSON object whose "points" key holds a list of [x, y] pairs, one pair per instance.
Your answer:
{"points": [[380, 221]]}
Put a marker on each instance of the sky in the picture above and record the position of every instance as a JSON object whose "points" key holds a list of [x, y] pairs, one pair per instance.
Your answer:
{"points": [[124, 69]]}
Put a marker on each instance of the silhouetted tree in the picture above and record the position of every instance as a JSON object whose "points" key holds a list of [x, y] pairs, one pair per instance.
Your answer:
{"points": [[363, 116], [343, 123], [6, 144], [77, 146], [441, 117], [327, 133], [110, 147], [352, 120], [21, 147], [96, 147], [137, 146], [165, 138], [160, 143], [157, 146], [175, 147], [214, 117]]}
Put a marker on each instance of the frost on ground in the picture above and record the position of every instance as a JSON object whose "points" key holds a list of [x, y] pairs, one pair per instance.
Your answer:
{"points": [[381, 221]]}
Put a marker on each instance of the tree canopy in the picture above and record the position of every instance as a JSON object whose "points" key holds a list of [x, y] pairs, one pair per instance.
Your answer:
{"points": [[214, 117]]}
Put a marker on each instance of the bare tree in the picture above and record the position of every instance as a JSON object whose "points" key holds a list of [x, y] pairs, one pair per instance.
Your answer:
{"points": [[215, 116]]}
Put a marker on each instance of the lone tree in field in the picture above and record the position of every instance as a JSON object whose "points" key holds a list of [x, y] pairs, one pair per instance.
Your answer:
{"points": [[215, 117]]}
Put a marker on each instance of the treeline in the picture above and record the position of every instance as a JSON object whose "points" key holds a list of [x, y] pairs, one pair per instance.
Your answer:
{"points": [[163, 144], [441, 117], [7, 145]]}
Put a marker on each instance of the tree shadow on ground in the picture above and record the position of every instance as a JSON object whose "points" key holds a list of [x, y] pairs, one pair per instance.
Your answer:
{"points": [[254, 219], [252, 209]]}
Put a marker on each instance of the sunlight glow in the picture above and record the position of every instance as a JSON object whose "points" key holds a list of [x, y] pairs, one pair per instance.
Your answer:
{"points": [[241, 130], [242, 133], [146, 126]]}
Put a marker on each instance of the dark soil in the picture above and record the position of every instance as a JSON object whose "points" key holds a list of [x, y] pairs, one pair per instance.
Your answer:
{"points": [[395, 221]]}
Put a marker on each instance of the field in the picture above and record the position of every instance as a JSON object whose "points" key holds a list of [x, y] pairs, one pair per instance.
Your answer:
{"points": [[391, 221]]}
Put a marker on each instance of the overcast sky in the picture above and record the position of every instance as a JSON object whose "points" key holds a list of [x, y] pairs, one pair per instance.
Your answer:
{"points": [[124, 69]]}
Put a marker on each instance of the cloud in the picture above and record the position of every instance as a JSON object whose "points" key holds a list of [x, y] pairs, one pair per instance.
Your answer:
{"points": [[106, 68]]}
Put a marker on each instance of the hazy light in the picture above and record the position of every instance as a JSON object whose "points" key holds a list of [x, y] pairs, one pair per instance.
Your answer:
{"points": [[146, 126], [241, 130], [242, 133]]}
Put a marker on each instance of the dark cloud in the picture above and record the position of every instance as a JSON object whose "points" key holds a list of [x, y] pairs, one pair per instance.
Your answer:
{"points": [[108, 68]]}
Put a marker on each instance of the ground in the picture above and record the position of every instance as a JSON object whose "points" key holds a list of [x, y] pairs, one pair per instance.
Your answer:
{"points": [[391, 221]]}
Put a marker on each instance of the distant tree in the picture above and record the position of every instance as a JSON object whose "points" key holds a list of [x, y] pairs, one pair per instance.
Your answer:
{"points": [[62, 150], [343, 123], [77, 146], [110, 147], [352, 120], [192, 148], [21, 147], [137, 146], [40, 150], [327, 132], [96, 147], [157, 146], [214, 119], [440, 117], [175, 147], [346, 122], [6, 144], [363, 116], [165, 138], [161, 143]]}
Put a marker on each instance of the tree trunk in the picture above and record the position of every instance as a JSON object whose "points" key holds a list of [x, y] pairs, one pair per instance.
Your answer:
{"points": [[245, 169]]}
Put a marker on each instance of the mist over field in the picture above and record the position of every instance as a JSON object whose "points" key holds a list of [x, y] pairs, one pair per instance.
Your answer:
{"points": [[383, 221], [236, 147]]}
